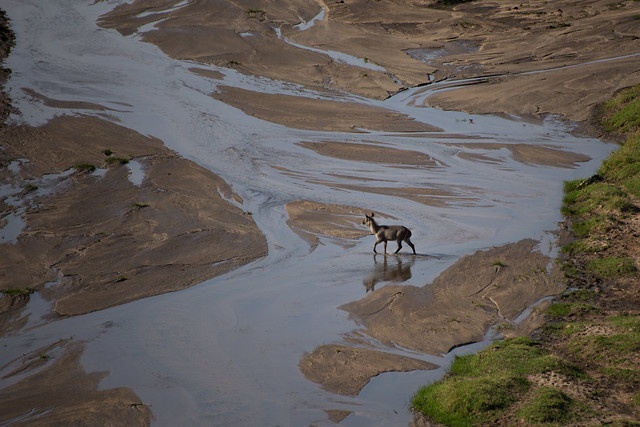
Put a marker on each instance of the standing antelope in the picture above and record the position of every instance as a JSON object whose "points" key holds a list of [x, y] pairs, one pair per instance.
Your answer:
{"points": [[384, 233]]}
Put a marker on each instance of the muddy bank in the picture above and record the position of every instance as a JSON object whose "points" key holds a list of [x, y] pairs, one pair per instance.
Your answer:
{"points": [[319, 114], [52, 389], [414, 44], [491, 287], [98, 233], [49, 385], [329, 364]]}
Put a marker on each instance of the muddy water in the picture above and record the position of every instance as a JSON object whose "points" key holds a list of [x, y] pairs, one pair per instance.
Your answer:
{"points": [[226, 352]]}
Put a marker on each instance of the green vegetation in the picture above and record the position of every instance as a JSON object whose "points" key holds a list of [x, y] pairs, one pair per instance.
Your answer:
{"points": [[614, 350], [612, 266], [567, 309], [30, 187], [117, 160], [480, 386], [601, 202], [17, 291], [256, 14], [622, 112], [465, 24], [85, 167], [549, 405]]}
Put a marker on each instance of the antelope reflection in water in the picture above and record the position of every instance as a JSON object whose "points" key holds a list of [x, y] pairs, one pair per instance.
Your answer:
{"points": [[389, 270]]}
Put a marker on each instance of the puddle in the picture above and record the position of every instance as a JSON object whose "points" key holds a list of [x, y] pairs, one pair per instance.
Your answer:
{"points": [[136, 172], [246, 331], [12, 225]]}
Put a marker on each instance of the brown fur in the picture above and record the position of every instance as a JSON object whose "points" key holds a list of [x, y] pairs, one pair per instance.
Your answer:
{"points": [[385, 233]]}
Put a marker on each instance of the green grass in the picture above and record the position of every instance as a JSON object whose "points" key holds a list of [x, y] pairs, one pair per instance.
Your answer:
{"points": [[116, 160], [549, 405], [256, 14], [609, 191], [623, 166], [612, 266], [30, 187], [597, 197], [615, 350], [568, 309], [480, 386], [85, 167], [622, 112]]}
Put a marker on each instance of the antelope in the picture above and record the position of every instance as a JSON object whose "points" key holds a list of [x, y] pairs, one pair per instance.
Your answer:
{"points": [[384, 233]]}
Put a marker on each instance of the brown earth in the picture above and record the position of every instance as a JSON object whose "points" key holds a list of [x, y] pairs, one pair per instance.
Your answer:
{"points": [[54, 390], [506, 42], [328, 363], [487, 288], [501, 41], [104, 240]]}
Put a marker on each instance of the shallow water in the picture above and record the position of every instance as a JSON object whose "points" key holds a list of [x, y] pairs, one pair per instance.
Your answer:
{"points": [[226, 351]]}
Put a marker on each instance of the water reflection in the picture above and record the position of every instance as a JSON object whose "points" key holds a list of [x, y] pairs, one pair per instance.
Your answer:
{"points": [[390, 269]]}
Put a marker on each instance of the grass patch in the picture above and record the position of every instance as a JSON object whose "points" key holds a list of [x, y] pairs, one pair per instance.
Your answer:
{"points": [[616, 350], [631, 376], [30, 187], [568, 309], [480, 386], [469, 402], [582, 295], [116, 160], [597, 197], [85, 167], [622, 112], [17, 291], [623, 165], [549, 405], [612, 266], [256, 14]]}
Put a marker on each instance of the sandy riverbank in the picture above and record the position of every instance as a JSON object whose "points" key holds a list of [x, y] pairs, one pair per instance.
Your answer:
{"points": [[106, 240]]}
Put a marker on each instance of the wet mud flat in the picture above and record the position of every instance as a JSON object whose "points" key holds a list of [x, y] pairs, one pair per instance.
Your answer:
{"points": [[283, 195]]}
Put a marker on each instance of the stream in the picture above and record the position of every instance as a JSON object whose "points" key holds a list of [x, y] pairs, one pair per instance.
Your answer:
{"points": [[226, 351]]}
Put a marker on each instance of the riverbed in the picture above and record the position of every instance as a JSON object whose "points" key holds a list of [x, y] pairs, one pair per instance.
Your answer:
{"points": [[227, 351]]}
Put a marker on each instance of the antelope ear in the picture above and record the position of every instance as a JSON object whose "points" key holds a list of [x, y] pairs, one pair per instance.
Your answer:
{"points": [[371, 214]]}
